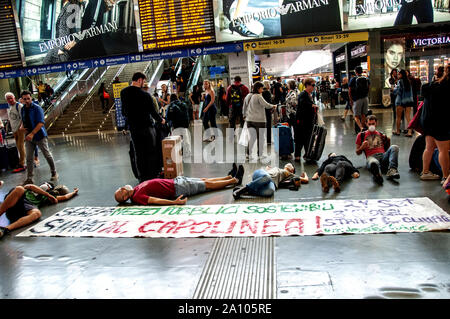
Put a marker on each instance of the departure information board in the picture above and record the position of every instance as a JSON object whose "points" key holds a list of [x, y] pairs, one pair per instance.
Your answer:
{"points": [[176, 23], [9, 44]]}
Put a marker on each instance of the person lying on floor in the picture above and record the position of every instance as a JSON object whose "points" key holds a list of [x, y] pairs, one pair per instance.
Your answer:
{"points": [[266, 181], [21, 204], [176, 191], [334, 170]]}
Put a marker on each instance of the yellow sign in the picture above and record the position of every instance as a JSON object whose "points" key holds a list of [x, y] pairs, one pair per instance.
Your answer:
{"points": [[337, 38], [117, 87], [273, 44], [305, 41]]}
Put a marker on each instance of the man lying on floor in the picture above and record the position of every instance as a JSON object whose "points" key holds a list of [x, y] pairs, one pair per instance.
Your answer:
{"points": [[21, 203], [175, 191]]}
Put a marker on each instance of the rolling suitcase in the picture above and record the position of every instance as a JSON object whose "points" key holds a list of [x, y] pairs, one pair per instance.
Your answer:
{"points": [[316, 143], [285, 140]]}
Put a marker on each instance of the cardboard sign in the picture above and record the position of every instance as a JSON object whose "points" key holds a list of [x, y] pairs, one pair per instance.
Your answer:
{"points": [[273, 219]]}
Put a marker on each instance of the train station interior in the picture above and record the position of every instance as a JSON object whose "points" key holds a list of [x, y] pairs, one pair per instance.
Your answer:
{"points": [[90, 145]]}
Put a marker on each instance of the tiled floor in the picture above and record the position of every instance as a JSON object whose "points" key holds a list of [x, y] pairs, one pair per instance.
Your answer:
{"points": [[403, 265]]}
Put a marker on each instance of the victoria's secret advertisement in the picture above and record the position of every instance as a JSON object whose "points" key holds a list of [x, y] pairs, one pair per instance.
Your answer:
{"points": [[64, 30], [250, 19]]}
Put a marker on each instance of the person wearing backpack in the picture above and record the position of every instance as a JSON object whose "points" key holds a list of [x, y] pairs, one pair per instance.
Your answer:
{"points": [[404, 101], [359, 97], [381, 156], [104, 97], [236, 94], [177, 114]]}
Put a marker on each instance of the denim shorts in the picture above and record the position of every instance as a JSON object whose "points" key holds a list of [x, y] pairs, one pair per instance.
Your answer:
{"points": [[188, 186]]}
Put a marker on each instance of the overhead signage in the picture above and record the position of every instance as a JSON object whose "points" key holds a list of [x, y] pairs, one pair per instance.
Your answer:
{"points": [[326, 217], [172, 23], [273, 44], [431, 41], [360, 50], [306, 41], [122, 59], [340, 58]]}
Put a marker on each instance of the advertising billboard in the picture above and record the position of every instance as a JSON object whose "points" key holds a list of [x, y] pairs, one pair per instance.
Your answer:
{"points": [[368, 14], [394, 57], [56, 31], [253, 19]]}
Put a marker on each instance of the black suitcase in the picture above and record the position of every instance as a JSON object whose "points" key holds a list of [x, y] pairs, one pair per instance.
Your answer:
{"points": [[4, 163], [13, 156], [316, 143]]}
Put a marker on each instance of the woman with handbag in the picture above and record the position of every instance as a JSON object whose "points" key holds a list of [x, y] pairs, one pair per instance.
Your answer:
{"points": [[404, 101], [104, 97]]}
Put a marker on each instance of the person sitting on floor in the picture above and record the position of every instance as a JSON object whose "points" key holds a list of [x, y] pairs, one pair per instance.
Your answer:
{"points": [[334, 170], [21, 204], [381, 156], [266, 181], [176, 191]]}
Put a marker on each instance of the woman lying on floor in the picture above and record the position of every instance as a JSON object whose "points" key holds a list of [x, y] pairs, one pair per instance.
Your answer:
{"points": [[266, 181]]}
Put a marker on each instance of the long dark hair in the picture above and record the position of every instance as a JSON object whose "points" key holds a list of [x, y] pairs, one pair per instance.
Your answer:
{"points": [[405, 80]]}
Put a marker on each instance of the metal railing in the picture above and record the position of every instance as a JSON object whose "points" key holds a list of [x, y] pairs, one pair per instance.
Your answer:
{"points": [[82, 86]]}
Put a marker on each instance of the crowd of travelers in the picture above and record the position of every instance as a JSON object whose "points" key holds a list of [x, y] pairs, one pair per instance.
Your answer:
{"points": [[261, 106]]}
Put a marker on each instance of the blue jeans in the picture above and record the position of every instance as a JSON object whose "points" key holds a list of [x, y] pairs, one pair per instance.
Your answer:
{"points": [[386, 160], [261, 184], [421, 9]]}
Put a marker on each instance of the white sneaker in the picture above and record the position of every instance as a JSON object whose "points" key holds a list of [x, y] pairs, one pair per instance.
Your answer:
{"points": [[429, 177]]}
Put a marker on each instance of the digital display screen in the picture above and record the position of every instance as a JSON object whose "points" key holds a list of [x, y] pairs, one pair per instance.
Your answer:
{"points": [[175, 23], [9, 44]]}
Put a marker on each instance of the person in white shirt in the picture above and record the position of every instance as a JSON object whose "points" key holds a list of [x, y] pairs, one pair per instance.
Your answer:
{"points": [[19, 136], [255, 116]]}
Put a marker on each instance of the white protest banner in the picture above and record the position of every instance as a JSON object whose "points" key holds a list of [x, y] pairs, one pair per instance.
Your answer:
{"points": [[268, 219]]}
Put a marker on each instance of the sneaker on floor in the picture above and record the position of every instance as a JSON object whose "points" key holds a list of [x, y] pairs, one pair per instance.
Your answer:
{"points": [[233, 171], [429, 176], [324, 181], [240, 174], [375, 171], [19, 169], [392, 173], [3, 231]]}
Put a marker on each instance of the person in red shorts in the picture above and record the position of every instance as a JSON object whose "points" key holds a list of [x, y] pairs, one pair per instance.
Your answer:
{"points": [[176, 191]]}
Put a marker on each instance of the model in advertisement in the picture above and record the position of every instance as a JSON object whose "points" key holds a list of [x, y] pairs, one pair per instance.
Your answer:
{"points": [[364, 14], [394, 58], [65, 25], [250, 19], [77, 29]]}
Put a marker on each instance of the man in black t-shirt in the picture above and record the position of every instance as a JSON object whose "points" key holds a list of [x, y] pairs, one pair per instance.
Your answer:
{"points": [[277, 91], [140, 112]]}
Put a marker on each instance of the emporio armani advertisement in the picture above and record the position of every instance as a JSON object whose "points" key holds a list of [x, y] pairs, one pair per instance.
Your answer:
{"points": [[364, 14], [250, 19], [65, 30]]}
